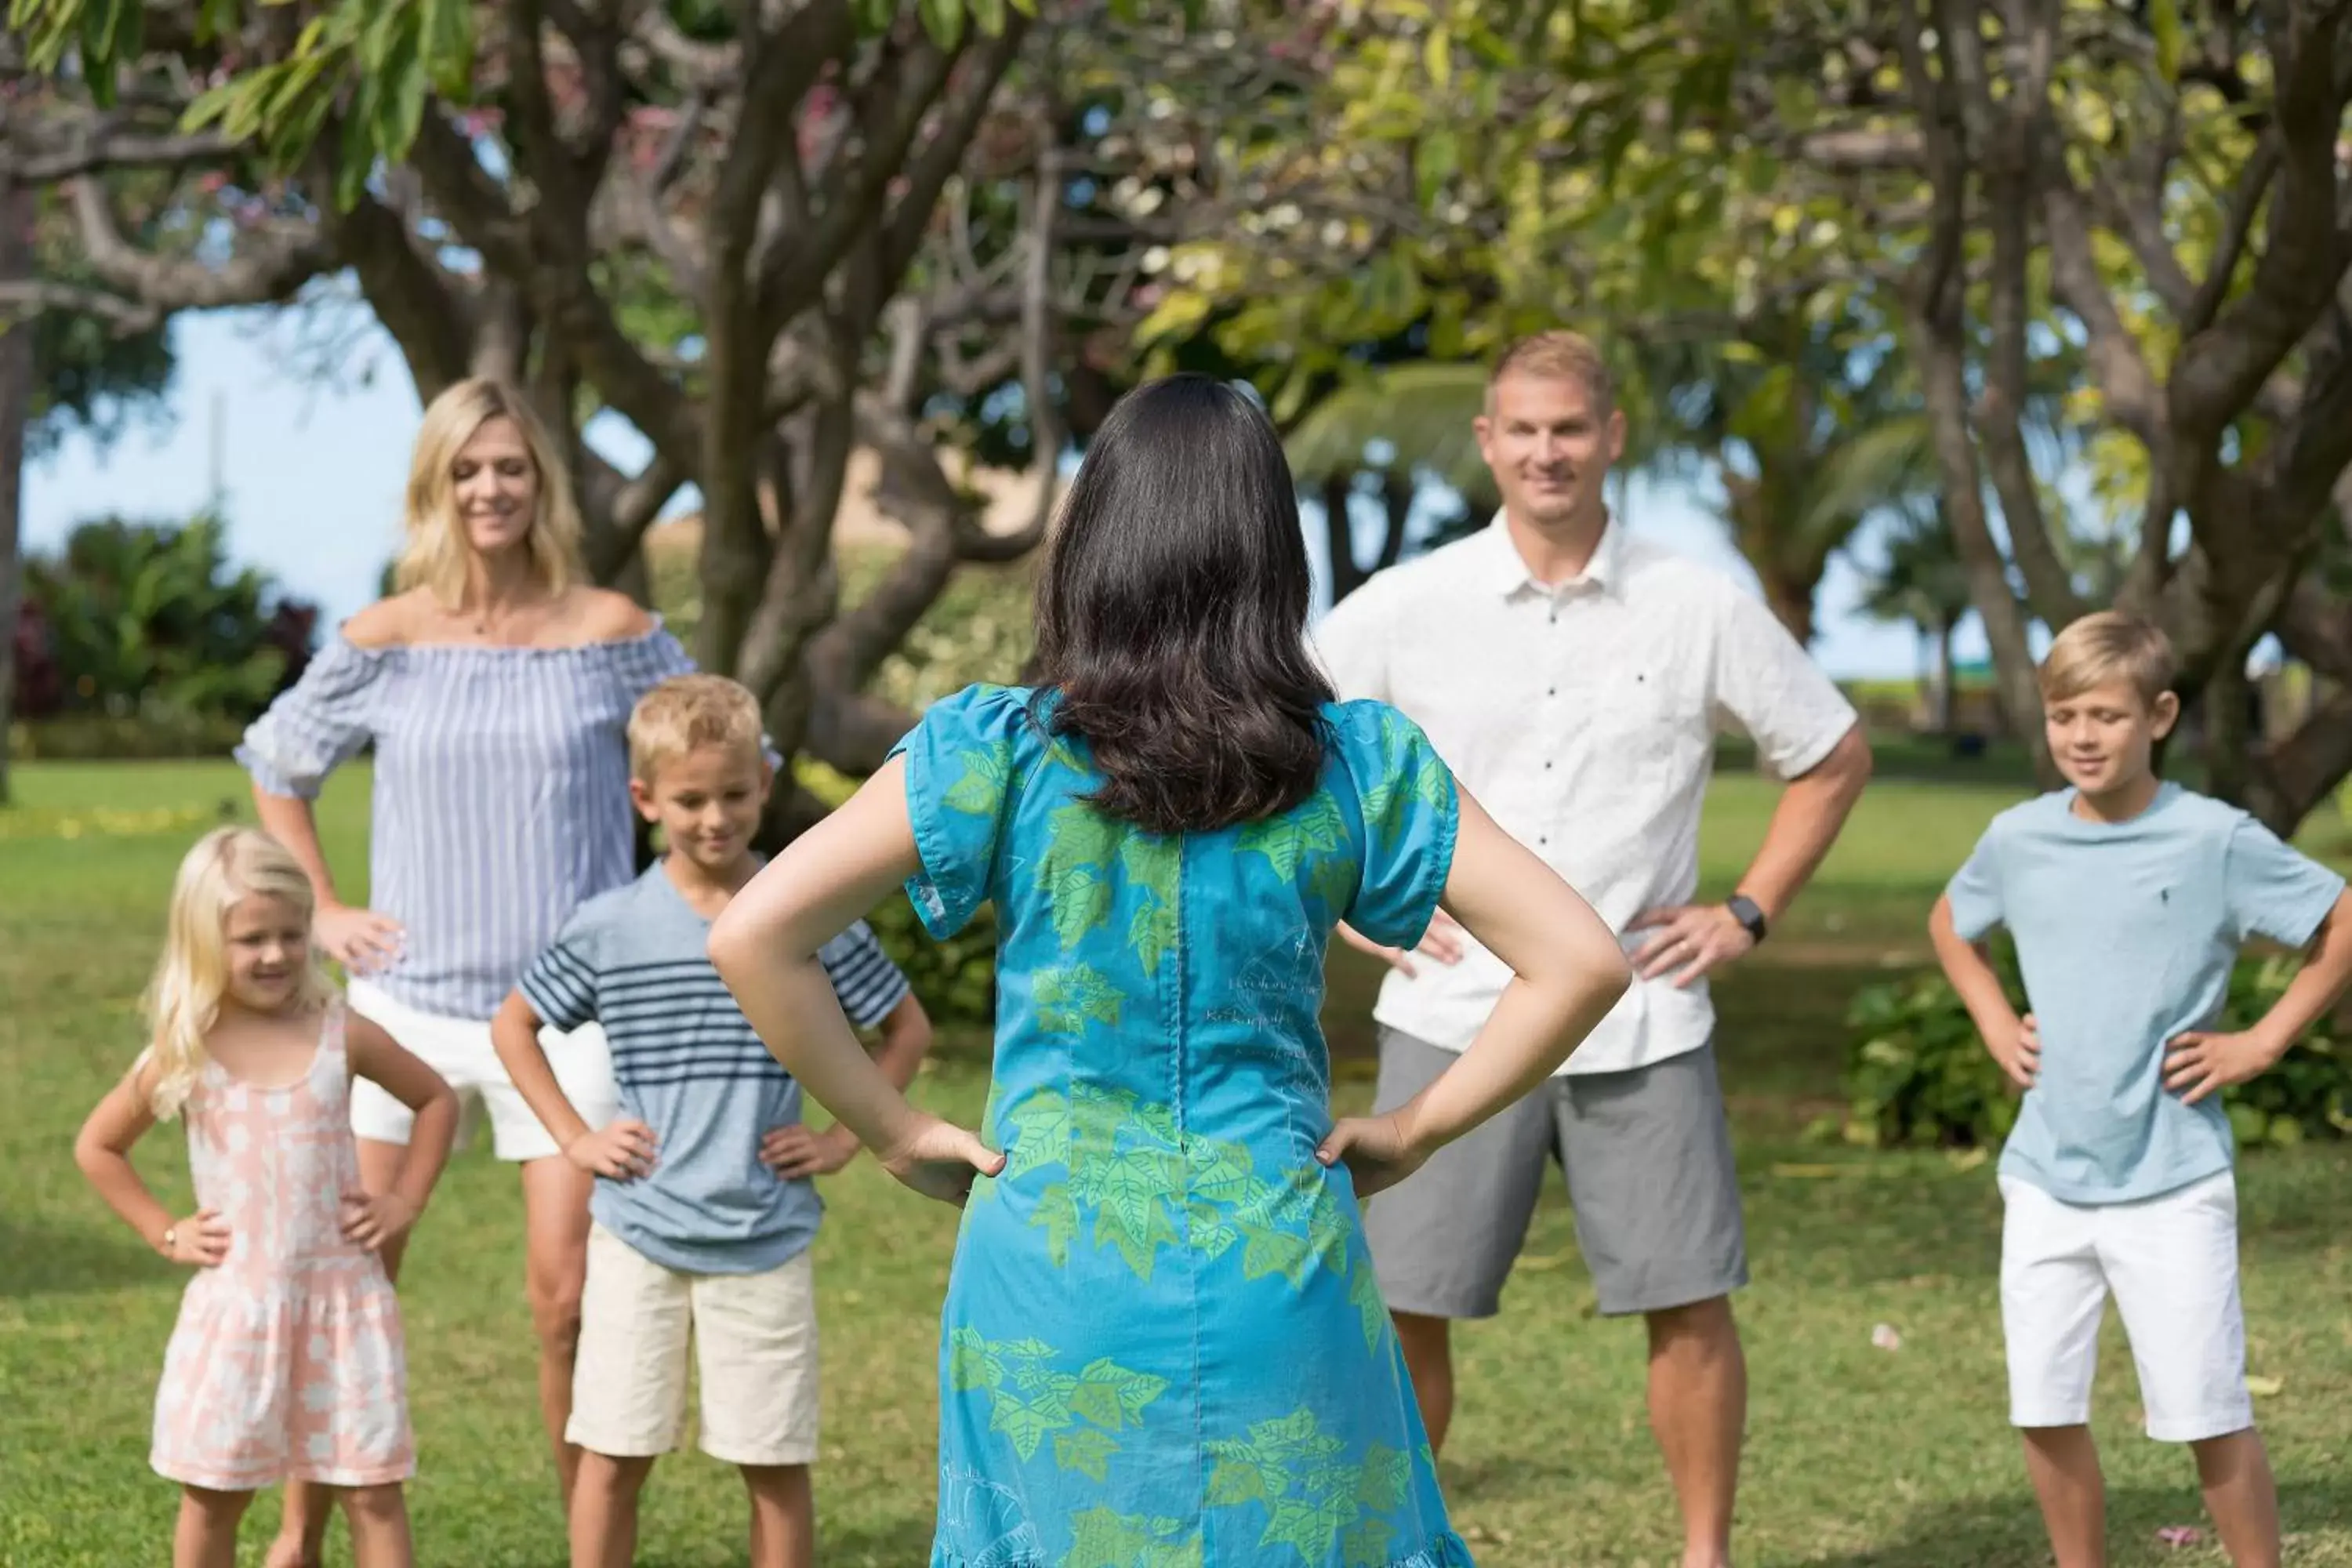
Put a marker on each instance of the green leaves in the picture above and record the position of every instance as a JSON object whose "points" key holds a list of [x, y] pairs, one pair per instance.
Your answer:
{"points": [[1086, 1451], [1057, 1215], [1073, 996], [1129, 1193], [1102, 1538], [1110, 1395], [1314, 827], [1075, 871], [979, 790], [389, 56]]}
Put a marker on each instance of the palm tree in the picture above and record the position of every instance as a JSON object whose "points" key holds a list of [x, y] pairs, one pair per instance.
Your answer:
{"points": [[1919, 578]]}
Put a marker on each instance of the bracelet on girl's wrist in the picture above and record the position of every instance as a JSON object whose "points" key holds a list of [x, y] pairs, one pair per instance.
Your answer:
{"points": [[171, 1240]]}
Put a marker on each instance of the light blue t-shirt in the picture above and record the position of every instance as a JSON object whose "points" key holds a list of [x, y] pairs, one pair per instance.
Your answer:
{"points": [[2127, 933], [689, 1065]]}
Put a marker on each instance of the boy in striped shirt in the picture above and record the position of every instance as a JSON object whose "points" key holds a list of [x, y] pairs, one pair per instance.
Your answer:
{"points": [[703, 1211]]}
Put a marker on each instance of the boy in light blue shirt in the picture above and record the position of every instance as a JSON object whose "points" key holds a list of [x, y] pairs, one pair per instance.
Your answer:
{"points": [[703, 1213], [2128, 898]]}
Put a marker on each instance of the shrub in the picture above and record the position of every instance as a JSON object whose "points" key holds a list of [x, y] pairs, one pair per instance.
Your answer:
{"points": [[134, 620], [153, 730], [1919, 1076]]}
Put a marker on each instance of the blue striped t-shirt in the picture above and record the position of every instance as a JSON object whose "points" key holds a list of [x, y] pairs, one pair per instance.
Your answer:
{"points": [[690, 1068]]}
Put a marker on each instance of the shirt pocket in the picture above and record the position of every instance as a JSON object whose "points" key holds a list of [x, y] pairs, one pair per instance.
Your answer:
{"points": [[1641, 734]]}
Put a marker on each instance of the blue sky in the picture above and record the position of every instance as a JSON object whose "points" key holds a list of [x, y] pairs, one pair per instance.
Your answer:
{"points": [[312, 476]]}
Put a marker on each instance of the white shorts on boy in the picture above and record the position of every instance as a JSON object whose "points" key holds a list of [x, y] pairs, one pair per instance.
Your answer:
{"points": [[460, 1049], [754, 1335], [2172, 1264]]}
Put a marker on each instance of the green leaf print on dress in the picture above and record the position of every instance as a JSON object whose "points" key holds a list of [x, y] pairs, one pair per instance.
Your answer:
{"points": [[1070, 996], [1311, 1494], [1075, 871], [1143, 1183], [1315, 828], [1389, 805], [1030, 1399], [1154, 865], [1102, 1538]]}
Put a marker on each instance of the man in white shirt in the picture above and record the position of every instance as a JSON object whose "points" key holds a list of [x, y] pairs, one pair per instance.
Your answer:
{"points": [[1574, 676]]}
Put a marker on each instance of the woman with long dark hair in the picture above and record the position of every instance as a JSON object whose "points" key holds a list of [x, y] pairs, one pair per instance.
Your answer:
{"points": [[1162, 1338]]}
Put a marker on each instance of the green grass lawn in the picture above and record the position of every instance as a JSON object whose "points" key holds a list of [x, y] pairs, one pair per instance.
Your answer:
{"points": [[1855, 1456]]}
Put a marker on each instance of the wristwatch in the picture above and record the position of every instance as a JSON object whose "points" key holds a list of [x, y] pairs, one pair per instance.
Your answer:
{"points": [[1747, 913]]}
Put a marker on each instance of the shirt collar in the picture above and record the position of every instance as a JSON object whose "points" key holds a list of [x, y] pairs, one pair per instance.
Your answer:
{"points": [[1508, 569]]}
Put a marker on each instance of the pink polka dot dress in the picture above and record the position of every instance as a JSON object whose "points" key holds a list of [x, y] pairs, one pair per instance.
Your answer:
{"points": [[287, 1361]]}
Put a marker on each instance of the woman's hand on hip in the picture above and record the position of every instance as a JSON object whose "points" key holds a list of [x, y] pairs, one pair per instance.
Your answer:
{"points": [[1377, 1151], [362, 940], [939, 1160]]}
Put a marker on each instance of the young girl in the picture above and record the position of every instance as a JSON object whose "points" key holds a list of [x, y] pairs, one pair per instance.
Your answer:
{"points": [[1164, 1341], [286, 1361]]}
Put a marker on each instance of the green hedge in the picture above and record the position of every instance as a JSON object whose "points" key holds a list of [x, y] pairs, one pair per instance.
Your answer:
{"points": [[1919, 1076], [155, 732]]}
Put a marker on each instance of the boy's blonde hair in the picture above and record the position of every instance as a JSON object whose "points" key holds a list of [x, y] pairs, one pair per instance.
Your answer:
{"points": [[228, 864], [435, 552], [1560, 355], [686, 712], [2108, 646]]}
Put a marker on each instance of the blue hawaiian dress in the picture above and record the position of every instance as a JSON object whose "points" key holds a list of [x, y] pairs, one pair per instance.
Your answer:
{"points": [[1162, 1344]]}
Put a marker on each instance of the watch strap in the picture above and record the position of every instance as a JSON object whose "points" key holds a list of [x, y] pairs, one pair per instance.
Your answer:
{"points": [[1748, 913]]}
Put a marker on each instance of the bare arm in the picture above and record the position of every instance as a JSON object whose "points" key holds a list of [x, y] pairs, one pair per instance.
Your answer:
{"points": [[1812, 812], [624, 1150], [2011, 1040], [290, 820], [102, 1151], [1693, 939], [361, 940], [764, 944], [906, 1041], [2198, 1063], [383, 1061], [1567, 973], [792, 1150]]}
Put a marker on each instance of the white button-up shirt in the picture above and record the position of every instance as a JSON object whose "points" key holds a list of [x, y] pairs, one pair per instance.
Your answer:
{"points": [[1582, 716]]}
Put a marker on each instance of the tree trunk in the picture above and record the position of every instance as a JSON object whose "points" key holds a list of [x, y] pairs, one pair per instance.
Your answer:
{"points": [[1791, 602], [1396, 497], [1339, 536], [16, 372], [1939, 686]]}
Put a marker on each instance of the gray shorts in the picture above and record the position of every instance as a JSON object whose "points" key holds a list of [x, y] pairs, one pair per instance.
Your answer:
{"points": [[1648, 1157]]}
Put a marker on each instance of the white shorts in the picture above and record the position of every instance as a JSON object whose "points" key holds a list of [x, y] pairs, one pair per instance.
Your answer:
{"points": [[2172, 1263], [460, 1049], [754, 1336]]}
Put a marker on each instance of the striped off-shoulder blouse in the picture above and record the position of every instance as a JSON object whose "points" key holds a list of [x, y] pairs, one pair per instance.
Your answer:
{"points": [[501, 792]]}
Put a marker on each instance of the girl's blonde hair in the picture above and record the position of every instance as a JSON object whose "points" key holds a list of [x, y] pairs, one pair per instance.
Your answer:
{"points": [[436, 551], [184, 1001]]}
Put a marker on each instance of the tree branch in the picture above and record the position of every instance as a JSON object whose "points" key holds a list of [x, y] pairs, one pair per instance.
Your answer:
{"points": [[100, 141], [281, 260], [795, 268], [2246, 202], [2220, 369], [33, 296]]}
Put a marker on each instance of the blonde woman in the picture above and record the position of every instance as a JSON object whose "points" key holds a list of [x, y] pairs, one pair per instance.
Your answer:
{"points": [[495, 686], [287, 1362]]}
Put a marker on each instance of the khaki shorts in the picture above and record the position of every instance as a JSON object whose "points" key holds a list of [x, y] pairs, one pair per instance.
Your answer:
{"points": [[754, 1336]]}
